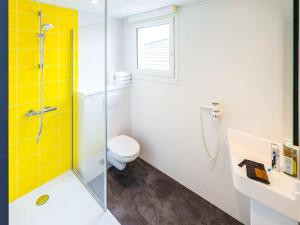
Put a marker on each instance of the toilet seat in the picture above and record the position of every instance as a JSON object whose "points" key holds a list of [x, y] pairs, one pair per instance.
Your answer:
{"points": [[121, 150], [123, 147]]}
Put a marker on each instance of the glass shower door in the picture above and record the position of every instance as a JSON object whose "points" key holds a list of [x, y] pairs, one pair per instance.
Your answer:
{"points": [[89, 105]]}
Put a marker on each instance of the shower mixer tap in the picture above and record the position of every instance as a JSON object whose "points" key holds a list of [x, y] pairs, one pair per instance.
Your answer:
{"points": [[32, 112]]}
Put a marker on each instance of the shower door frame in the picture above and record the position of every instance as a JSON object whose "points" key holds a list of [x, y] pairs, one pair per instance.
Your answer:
{"points": [[102, 204]]}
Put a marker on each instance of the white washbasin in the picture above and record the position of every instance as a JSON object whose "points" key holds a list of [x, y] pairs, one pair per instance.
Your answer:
{"points": [[283, 193]]}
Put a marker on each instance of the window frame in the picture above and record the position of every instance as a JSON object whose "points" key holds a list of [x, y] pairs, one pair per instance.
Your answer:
{"points": [[159, 75]]}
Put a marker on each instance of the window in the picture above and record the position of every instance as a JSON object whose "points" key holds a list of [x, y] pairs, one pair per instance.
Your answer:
{"points": [[156, 49]]}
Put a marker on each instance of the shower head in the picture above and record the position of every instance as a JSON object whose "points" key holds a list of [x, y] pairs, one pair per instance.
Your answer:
{"points": [[48, 26]]}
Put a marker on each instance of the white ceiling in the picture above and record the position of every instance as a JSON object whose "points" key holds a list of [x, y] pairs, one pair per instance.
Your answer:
{"points": [[118, 8]]}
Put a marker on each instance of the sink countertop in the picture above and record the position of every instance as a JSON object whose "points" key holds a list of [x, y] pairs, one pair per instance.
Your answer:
{"points": [[283, 193]]}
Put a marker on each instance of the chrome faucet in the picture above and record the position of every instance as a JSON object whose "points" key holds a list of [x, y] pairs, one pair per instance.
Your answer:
{"points": [[275, 157]]}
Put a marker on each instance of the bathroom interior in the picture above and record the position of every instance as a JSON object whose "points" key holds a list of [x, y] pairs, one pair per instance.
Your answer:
{"points": [[139, 112]]}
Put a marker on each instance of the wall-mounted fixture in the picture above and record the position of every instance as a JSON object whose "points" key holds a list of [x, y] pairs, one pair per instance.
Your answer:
{"points": [[31, 112], [44, 28], [216, 111]]}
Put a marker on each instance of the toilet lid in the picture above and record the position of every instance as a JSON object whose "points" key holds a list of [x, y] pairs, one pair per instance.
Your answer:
{"points": [[123, 146]]}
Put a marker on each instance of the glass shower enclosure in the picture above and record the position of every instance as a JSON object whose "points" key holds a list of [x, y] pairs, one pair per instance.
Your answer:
{"points": [[86, 79], [89, 103]]}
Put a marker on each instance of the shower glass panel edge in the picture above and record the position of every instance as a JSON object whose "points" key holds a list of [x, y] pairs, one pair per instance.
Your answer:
{"points": [[105, 97], [76, 159]]}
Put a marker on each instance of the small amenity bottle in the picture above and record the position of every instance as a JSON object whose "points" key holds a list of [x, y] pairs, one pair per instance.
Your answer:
{"points": [[291, 159]]}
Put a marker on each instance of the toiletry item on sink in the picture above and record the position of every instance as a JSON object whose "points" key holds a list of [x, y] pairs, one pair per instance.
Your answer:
{"points": [[275, 157], [255, 171], [291, 160]]}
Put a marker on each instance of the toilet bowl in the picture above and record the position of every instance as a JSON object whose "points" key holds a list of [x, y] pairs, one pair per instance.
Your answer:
{"points": [[121, 150]]}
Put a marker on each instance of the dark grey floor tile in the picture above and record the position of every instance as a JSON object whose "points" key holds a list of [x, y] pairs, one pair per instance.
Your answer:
{"points": [[142, 195]]}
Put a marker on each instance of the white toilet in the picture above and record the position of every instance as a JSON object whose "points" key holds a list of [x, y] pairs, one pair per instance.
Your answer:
{"points": [[121, 150]]}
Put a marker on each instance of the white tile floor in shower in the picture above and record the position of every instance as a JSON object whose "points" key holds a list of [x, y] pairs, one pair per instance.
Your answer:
{"points": [[69, 204]]}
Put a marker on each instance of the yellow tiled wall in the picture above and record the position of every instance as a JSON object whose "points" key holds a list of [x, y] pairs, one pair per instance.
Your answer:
{"points": [[32, 164]]}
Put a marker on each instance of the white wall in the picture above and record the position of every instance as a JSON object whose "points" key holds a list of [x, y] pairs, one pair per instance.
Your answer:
{"points": [[91, 50], [119, 116], [114, 45], [91, 57], [230, 51]]}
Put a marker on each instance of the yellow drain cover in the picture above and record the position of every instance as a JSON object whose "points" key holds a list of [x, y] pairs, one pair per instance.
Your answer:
{"points": [[42, 200]]}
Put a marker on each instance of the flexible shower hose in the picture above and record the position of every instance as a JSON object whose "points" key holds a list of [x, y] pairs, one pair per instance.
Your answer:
{"points": [[212, 157], [42, 52]]}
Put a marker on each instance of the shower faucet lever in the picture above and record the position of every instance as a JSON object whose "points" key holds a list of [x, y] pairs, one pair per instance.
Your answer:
{"points": [[32, 112], [49, 109]]}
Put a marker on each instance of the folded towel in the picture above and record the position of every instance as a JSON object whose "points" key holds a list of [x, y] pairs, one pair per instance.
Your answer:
{"points": [[123, 78], [124, 82], [122, 74]]}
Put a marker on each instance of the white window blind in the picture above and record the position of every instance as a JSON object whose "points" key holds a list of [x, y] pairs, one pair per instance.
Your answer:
{"points": [[156, 50], [154, 47]]}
